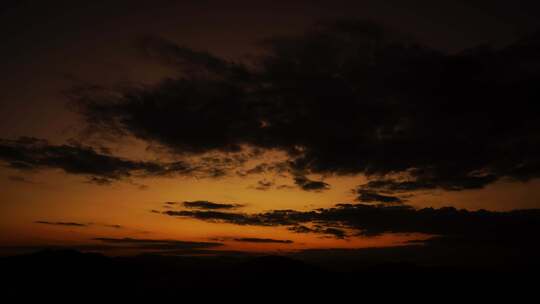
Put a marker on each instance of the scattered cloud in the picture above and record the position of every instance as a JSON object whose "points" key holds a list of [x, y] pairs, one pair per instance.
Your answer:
{"points": [[377, 219], [210, 205]]}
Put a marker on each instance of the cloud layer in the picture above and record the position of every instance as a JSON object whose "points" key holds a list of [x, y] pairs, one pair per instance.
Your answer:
{"points": [[32, 154], [346, 220], [347, 97]]}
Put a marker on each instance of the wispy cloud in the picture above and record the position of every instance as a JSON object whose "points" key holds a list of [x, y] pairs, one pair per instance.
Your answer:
{"points": [[70, 224]]}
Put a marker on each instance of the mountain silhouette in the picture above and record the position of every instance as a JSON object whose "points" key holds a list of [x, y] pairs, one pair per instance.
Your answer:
{"points": [[57, 270]]}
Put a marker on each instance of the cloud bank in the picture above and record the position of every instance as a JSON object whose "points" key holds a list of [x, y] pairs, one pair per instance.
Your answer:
{"points": [[347, 97]]}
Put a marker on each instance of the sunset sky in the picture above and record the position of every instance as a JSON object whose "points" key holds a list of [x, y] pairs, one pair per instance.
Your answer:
{"points": [[202, 127]]}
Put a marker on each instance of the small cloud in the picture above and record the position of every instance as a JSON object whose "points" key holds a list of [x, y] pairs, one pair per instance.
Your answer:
{"points": [[101, 181], [71, 224], [114, 226], [369, 196], [262, 240], [310, 185], [283, 187], [210, 205], [264, 185]]}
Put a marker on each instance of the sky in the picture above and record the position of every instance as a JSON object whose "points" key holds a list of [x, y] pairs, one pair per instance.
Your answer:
{"points": [[200, 127]]}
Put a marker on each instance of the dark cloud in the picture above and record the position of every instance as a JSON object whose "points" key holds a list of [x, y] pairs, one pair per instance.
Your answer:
{"points": [[70, 224], [189, 61], [217, 216], [264, 185], [27, 153], [310, 185], [383, 218], [368, 196], [426, 180], [32, 154], [279, 168], [281, 187], [101, 181], [259, 240], [344, 98], [115, 226], [333, 231], [336, 232], [209, 205], [295, 220], [75, 224]]}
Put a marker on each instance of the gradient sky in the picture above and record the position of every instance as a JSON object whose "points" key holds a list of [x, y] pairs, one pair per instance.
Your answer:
{"points": [[53, 49]]}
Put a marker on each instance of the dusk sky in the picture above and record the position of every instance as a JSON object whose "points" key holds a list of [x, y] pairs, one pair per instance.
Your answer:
{"points": [[208, 127]]}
